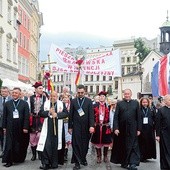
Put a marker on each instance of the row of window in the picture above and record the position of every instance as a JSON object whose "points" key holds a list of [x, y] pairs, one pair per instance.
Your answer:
{"points": [[23, 18], [91, 78], [23, 41], [10, 17], [87, 78], [129, 69], [10, 49], [23, 66], [91, 89], [129, 59]]}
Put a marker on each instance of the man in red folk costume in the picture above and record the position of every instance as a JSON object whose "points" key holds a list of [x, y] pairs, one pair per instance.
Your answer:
{"points": [[102, 136], [36, 102]]}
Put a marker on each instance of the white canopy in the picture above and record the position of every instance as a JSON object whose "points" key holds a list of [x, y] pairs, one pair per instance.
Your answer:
{"points": [[11, 84]]}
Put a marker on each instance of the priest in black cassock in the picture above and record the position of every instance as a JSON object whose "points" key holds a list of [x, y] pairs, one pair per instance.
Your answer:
{"points": [[81, 124], [15, 126], [53, 130], [127, 126], [163, 133]]}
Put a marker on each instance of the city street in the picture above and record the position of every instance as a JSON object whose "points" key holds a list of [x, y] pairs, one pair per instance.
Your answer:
{"points": [[92, 165]]}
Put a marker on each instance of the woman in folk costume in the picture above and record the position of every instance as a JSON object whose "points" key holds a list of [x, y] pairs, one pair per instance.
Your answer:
{"points": [[52, 138], [102, 136], [36, 102], [66, 100]]}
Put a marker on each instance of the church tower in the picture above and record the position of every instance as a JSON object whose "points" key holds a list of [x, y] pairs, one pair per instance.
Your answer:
{"points": [[165, 36]]}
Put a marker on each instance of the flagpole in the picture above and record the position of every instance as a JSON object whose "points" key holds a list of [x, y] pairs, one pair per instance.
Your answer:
{"points": [[54, 123]]}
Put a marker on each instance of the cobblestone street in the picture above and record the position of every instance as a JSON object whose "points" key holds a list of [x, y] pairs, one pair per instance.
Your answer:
{"points": [[92, 165]]}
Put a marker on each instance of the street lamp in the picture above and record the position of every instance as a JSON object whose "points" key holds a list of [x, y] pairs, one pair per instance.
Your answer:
{"points": [[140, 71]]}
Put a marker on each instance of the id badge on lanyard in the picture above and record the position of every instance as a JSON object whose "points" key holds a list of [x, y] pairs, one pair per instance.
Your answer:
{"points": [[145, 120], [15, 114]]}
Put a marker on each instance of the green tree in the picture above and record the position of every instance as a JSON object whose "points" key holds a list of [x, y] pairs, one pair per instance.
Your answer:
{"points": [[1, 83], [141, 49]]}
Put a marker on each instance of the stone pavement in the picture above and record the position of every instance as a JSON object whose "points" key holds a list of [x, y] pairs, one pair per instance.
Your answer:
{"points": [[92, 165]]}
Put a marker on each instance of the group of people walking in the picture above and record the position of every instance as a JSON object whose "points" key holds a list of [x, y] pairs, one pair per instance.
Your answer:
{"points": [[50, 125]]}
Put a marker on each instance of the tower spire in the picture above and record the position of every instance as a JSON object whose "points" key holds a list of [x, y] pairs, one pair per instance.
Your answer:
{"points": [[167, 17]]}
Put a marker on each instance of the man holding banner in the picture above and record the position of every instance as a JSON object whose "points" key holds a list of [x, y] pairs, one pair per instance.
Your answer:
{"points": [[52, 141]]}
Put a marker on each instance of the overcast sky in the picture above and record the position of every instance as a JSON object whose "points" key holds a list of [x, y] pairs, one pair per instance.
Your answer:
{"points": [[115, 19]]}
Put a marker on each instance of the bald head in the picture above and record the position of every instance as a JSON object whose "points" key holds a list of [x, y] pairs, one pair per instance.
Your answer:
{"points": [[127, 94], [167, 100]]}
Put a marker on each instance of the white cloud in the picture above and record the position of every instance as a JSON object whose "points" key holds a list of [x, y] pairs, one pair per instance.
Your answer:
{"points": [[108, 18]]}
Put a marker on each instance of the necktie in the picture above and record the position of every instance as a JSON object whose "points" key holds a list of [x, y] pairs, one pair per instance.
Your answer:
{"points": [[4, 98]]}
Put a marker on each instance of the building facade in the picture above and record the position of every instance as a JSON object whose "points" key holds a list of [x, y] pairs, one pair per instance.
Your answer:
{"points": [[8, 39]]}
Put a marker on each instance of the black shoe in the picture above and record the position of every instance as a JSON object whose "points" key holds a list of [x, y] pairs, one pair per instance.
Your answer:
{"points": [[8, 165], [33, 158], [77, 166], [84, 163], [44, 167], [124, 166], [143, 160], [132, 167]]}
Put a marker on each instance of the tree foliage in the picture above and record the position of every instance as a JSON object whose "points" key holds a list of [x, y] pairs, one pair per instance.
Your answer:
{"points": [[141, 49]]}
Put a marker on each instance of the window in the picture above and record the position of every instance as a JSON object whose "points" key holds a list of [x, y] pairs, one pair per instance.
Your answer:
{"points": [[0, 7], [97, 89], [58, 89], [97, 77], [19, 64], [61, 88], [110, 78], [28, 24], [8, 48], [134, 59], [123, 59], [24, 42], [27, 68], [61, 77], [23, 66], [128, 69], [86, 88], [134, 69], [28, 44], [25, 20], [0, 45], [104, 78], [14, 53], [86, 78], [116, 85], [54, 78], [123, 70], [15, 19], [104, 88], [20, 15], [91, 89], [9, 13], [91, 78], [20, 39], [58, 78], [128, 59]]}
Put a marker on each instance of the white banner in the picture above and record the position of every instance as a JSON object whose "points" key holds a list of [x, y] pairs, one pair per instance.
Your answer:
{"points": [[107, 64]]}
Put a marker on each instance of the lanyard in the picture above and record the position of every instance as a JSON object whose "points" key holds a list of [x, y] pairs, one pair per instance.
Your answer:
{"points": [[15, 106], [145, 113], [81, 103]]}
